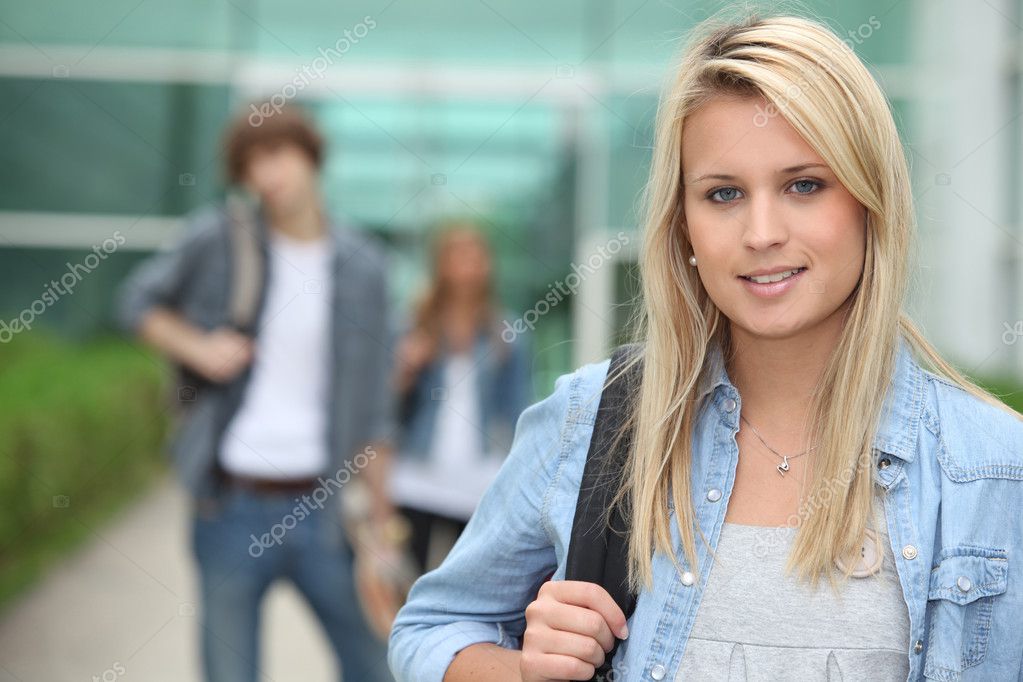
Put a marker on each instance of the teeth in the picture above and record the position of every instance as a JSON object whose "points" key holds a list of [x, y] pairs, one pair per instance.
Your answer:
{"points": [[776, 277]]}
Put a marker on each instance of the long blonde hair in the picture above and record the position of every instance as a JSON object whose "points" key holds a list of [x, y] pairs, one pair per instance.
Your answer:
{"points": [[823, 90]]}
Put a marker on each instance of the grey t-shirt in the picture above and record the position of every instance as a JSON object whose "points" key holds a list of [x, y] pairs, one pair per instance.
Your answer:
{"points": [[756, 623]]}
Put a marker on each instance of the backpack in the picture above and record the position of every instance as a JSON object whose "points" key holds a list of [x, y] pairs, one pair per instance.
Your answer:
{"points": [[597, 551]]}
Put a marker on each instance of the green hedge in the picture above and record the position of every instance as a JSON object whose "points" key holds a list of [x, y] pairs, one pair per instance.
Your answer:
{"points": [[81, 432]]}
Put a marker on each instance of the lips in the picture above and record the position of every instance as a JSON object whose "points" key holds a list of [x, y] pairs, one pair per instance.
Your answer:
{"points": [[770, 285], [772, 275]]}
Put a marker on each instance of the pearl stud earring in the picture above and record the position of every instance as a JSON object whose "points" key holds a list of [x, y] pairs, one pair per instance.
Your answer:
{"points": [[692, 260]]}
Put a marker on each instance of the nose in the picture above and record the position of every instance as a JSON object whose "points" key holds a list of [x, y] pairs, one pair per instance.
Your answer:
{"points": [[266, 175], [765, 225]]}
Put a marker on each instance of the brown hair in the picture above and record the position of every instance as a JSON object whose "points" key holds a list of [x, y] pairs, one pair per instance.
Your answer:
{"points": [[264, 124]]}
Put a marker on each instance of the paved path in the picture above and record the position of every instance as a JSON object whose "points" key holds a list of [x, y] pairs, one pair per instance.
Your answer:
{"points": [[123, 608]]}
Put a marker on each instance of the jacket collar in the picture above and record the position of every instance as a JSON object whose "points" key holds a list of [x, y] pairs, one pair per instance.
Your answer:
{"points": [[899, 423], [339, 232], [901, 412]]}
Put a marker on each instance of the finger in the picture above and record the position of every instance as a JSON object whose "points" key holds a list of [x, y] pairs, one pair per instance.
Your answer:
{"points": [[583, 647], [581, 621], [239, 348], [225, 370], [555, 667], [235, 359], [591, 596]]}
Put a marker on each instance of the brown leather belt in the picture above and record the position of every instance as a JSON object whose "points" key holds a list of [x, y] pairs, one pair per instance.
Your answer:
{"points": [[271, 485]]}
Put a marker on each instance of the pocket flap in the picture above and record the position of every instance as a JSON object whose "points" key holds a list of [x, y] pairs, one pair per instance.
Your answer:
{"points": [[968, 573]]}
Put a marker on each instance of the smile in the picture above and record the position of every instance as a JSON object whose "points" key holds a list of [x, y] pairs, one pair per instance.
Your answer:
{"points": [[776, 277], [773, 284]]}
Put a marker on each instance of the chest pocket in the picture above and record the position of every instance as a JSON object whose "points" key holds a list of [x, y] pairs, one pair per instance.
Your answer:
{"points": [[962, 595]]}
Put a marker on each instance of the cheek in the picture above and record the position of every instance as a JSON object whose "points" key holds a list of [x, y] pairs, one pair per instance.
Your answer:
{"points": [[701, 230], [297, 172], [843, 246], [290, 168], [715, 244]]}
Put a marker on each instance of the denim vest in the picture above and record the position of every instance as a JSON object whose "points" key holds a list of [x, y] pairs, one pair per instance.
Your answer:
{"points": [[949, 469], [504, 387]]}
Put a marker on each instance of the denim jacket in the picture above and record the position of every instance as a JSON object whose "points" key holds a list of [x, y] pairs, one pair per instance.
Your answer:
{"points": [[503, 383], [194, 277], [949, 469]]}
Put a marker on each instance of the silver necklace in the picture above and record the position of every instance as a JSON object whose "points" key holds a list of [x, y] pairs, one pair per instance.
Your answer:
{"points": [[783, 466]]}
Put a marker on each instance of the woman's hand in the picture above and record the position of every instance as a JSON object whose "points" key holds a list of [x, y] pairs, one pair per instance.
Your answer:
{"points": [[414, 351], [569, 629]]}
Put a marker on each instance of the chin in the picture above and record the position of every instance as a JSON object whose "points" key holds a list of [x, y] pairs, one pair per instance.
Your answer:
{"points": [[770, 327], [281, 204]]}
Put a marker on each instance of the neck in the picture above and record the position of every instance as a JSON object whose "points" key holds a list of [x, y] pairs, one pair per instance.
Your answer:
{"points": [[303, 223], [776, 379]]}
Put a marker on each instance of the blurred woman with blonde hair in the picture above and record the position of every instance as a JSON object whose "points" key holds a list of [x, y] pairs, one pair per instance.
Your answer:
{"points": [[461, 387]]}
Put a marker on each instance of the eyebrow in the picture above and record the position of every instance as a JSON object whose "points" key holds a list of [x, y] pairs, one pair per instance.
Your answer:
{"points": [[783, 171]]}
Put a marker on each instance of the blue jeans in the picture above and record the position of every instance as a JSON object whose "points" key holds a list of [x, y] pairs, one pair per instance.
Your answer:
{"points": [[236, 570]]}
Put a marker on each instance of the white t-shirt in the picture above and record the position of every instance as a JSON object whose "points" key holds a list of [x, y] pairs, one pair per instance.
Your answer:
{"points": [[454, 477], [280, 428]]}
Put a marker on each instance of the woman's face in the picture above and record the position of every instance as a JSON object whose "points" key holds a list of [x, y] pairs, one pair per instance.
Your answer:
{"points": [[465, 262], [761, 204]]}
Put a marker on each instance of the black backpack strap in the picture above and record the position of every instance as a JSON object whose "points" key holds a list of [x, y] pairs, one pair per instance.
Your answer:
{"points": [[598, 553]]}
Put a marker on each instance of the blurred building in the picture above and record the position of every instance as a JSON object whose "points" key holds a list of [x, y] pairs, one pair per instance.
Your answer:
{"points": [[533, 117]]}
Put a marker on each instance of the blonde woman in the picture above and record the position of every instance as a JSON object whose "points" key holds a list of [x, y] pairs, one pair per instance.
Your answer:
{"points": [[461, 388], [812, 493]]}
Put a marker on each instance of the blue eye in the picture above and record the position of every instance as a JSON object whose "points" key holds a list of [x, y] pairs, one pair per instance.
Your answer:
{"points": [[719, 193], [813, 186]]}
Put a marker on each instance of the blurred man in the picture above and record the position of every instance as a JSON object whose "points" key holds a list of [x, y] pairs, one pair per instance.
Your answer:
{"points": [[276, 317]]}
